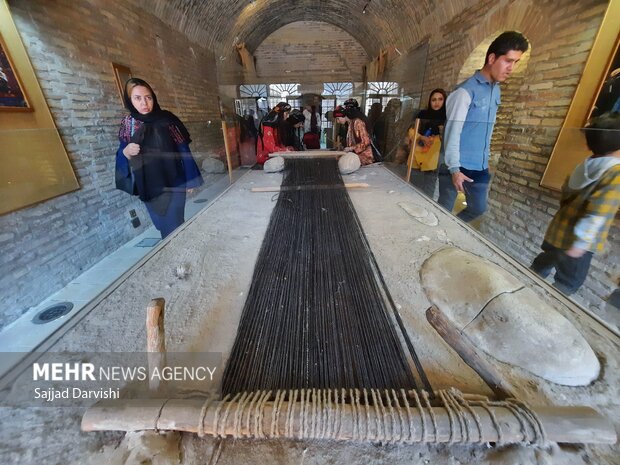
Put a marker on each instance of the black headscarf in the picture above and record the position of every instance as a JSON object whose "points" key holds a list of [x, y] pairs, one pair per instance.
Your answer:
{"points": [[355, 113], [432, 119], [157, 114], [158, 167], [290, 132], [351, 103], [275, 119]]}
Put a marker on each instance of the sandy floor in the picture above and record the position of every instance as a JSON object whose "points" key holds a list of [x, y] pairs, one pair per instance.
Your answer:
{"points": [[220, 245]]}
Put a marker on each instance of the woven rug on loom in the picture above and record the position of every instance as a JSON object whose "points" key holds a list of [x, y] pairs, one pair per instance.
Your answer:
{"points": [[316, 314]]}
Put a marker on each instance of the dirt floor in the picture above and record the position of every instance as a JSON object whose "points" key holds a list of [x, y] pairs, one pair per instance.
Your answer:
{"points": [[220, 246]]}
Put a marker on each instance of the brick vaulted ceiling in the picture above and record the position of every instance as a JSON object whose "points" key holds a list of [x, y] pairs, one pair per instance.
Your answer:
{"points": [[219, 24]]}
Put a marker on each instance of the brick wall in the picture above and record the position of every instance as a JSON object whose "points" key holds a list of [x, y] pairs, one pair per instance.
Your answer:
{"points": [[71, 45], [309, 51]]}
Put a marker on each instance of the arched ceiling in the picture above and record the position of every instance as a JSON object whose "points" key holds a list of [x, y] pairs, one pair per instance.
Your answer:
{"points": [[219, 24]]}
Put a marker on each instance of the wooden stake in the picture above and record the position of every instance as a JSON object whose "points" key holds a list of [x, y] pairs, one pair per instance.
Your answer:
{"points": [[414, 144], [468, 352], [155, 339], [227, 149]]}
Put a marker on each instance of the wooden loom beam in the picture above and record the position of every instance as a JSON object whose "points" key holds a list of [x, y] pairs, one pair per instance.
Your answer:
{"points": [[561, 424], [351, 185]]}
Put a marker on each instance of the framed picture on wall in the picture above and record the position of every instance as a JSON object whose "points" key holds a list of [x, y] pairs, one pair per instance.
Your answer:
{"points": [[121, 74], [598, 92], [12, 94]]}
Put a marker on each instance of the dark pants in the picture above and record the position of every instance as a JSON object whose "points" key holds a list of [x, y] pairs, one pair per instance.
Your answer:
{"points": [[425, 181], [173, 216], [476, 193], [570, 273]]}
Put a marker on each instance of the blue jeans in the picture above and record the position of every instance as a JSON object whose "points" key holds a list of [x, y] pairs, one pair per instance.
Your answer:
{"points": [[476, 193], [570, 273], [447, 192]]}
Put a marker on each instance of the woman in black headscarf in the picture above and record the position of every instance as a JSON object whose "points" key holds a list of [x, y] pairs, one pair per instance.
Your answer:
{"points": [[433, 118], [432, 121], [153, 160], [294, 122]]}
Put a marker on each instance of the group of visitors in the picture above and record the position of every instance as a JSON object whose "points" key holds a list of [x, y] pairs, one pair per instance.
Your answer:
{"points": [[154, 161], [277, 131], [590, 196]]}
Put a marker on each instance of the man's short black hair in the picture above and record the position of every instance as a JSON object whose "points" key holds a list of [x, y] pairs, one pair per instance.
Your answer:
{"points": [[603, 134], [505, 42]]}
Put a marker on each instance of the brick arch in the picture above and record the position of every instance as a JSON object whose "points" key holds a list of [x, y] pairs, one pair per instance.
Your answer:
{"points": [[526, 17], [216, 24]]}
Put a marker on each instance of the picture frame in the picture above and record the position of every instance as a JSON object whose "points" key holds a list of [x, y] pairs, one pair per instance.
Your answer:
{"points": [[12, 94], [121, 74], [608, 96], [591, 98]]}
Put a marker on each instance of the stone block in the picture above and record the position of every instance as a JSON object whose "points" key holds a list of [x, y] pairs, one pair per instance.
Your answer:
{"points": [[274, 165], [349, 163], [213, 166], [507, 320]]}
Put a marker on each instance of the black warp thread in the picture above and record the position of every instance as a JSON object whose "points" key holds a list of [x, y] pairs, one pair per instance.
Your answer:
{"points": [[316, 315]]}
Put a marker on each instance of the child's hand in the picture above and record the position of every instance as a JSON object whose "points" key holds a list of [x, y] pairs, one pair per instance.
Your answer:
{"points": [[575, 252]]}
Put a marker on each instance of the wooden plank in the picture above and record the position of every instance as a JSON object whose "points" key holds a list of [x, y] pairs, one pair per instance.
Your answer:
{"points": [[414, 143], [309, 154], [351, 185], [468, 352], [227, 149]]}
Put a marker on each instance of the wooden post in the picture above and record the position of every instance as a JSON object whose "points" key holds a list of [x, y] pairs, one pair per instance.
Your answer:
{"points": [[414, 144], [238, 140], [468, 352], [155, 339], [227, 149]]}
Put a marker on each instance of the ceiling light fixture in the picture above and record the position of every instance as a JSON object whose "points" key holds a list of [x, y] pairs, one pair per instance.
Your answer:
{"points": [[365, 6]]}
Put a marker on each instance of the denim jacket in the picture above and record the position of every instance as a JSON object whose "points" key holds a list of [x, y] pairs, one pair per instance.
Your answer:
{"points": [[471, 111]]}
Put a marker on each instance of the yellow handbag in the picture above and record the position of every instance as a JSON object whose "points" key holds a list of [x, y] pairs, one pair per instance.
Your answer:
{"points": [[426, 155]]}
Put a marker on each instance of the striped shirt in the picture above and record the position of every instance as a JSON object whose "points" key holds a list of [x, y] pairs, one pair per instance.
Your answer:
{"points": [[585, 215]]}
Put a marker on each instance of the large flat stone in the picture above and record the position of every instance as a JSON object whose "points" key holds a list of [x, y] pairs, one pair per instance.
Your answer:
{"points": [[520, 329], [460, 284], [507, 320]]}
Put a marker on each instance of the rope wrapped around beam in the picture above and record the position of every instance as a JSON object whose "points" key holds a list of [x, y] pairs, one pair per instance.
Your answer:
{"points": [[375, 415]]}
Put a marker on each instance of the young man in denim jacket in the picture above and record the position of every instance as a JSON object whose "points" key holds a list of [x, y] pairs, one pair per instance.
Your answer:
{"points": [[471, 111]]}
